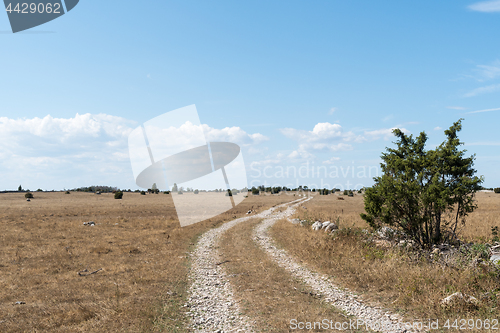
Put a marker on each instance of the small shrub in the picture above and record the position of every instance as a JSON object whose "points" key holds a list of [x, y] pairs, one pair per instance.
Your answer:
{"points": [[196, 191], [166, 192], [39, 190], [346, 192], [497, 190], [67, 192], [28, 195], [255, 191], [143, 193], [118, 194], [494, 234]]}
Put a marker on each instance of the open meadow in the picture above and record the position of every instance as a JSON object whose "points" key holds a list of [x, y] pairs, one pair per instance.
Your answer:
{"points": [[137, 242], [138, 254], [410, 284]]}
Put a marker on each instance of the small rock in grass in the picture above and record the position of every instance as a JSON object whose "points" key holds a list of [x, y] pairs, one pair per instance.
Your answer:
{"points": [[317, 225], [457, 298], [331, 227]]}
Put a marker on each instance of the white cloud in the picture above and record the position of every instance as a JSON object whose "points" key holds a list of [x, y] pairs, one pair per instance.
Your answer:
{"points": [[487, 72], [485, 110], [437, 128], [233, 134], [385, 133], [332, 160], [322, 133], [486, 6], [456, 107], [332, 110], [81, 150], [323, 137], [326, 137], [483, 90]]}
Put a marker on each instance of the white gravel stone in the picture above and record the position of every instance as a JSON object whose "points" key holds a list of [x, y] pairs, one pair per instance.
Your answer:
{"points": [[374, 317], [211, 304]]}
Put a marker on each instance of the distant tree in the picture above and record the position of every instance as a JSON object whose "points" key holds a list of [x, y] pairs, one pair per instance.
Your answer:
{"points": [[143, 193], [425, 194], [20, 188], [39, 190], [196, 191], [255, 191], [497, 190], [174, 188]]}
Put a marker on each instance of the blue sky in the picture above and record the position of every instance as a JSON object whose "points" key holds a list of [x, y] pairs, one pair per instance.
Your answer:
{"points": [[296, 84]]}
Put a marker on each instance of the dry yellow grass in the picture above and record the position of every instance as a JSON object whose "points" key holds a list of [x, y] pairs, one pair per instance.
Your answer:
{"points": [[329, 208], [266, 291], [137, 241], [387, 275]]}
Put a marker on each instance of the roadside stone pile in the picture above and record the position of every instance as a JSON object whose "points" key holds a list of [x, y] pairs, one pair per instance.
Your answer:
{"points": [[375, 317], [327, 226]]}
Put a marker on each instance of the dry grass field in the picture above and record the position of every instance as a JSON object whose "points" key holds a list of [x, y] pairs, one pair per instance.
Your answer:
{"points": [[329, 208], [142, 250], [266, 291], [137, 241], [387, 275]]}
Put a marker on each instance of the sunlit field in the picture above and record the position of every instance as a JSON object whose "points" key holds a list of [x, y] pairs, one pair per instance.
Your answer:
{"points": [[137, 242]]}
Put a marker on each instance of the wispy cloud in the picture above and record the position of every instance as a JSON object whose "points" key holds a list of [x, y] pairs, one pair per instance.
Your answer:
{"points": [[485, 110], [332, 160], [332, 110], [488, 72], [385, 133], [486, 6], [456, 108], [483, 90], [387, 118], [437, 128]]}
